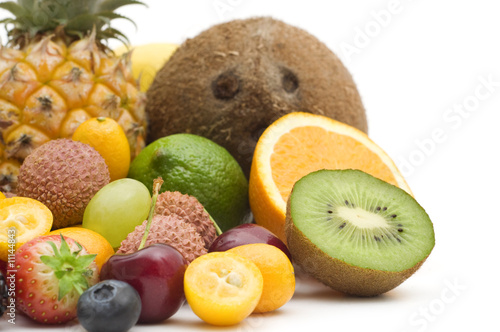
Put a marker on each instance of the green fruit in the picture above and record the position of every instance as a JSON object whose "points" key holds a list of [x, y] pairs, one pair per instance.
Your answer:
{"points": [[196, 166], [356, 233], [117, 209]]}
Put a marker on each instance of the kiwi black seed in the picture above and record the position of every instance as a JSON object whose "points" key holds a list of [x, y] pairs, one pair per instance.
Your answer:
{"points": [[233, 80], [356, 233]]}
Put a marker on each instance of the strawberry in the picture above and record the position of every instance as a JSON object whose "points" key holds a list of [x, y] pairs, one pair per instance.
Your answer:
{"points": [[52, 272]]}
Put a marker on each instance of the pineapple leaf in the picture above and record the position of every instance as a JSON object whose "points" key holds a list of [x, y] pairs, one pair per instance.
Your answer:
{"points": [[83, 22], [111, 16], [28, 4], [15, 9], [111, 5], [7, 20], [113, 33], [76, 8], [76, 33], [69, 19]]}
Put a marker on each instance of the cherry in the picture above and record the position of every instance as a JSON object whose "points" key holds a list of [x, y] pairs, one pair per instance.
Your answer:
{"points": [[157, 274], [247, 234]]}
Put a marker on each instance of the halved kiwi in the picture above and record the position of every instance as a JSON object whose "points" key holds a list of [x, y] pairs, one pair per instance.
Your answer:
{"points": [[356, 233]]}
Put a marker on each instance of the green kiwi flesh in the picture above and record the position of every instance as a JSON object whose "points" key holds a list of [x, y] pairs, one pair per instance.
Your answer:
{"points": [[356, 233]]}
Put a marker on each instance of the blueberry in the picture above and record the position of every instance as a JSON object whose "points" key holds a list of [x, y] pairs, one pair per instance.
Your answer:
{"points": [[110, 306]]}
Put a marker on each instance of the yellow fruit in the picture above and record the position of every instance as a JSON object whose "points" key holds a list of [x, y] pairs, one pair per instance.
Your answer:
{"points": [[21, 219], [147, 59], [52, 81], [9, 170], [222, 288], [92, 241], [277, 271], [2, 196], [300, 143], [107, 137]]}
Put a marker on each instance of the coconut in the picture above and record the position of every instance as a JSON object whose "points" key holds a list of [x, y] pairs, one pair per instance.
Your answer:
{"points": [[233, 80]]}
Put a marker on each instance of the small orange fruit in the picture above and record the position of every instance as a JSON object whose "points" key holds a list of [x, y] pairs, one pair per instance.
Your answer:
{"points": [[108, 138], [277, 271], [300, 143], [92, 241], [222, 288], [21, 220]]}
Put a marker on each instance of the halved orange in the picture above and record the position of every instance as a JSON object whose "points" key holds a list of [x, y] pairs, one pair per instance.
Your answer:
{"points": [[21, 220], [300, 143]]}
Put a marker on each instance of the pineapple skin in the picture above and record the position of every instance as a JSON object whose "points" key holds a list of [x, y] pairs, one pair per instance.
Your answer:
{"points": [[48, 89]]}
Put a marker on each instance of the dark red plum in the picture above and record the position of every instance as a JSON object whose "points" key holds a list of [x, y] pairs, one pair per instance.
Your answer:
{"points": [[247, 234], [157, 273]]}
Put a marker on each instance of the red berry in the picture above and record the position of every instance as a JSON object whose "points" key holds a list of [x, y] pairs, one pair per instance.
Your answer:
{"points": [[52, 272]]}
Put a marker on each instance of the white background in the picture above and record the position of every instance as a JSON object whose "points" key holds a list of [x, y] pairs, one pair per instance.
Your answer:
{"points": [[421, 73]]}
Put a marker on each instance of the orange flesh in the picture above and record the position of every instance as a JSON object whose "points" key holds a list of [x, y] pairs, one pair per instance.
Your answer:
{"points": [[302, 151]]}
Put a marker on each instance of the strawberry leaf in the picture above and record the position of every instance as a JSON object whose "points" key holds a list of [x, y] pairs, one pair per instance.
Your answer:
{"points": [[70, 267], [65, 286], [54, 249], [53, 262], [59, 274], [83, 261], [65, 250]]}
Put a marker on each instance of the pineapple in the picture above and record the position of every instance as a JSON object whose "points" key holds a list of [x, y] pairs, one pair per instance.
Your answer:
{"points": [[56, 71]]}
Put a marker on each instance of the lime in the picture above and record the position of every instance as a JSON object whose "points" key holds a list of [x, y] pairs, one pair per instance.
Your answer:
{"points": [[199, 167]]}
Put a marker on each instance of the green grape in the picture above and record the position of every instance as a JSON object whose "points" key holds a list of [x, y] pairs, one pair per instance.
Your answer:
{"points": [[117, 208]]}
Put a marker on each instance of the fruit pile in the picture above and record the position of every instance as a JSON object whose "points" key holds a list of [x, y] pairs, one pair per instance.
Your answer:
{"points": [[97, 225]]}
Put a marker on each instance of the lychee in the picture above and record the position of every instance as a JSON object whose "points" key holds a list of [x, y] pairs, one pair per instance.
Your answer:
{"points": [[64, 175], [171, 230]]}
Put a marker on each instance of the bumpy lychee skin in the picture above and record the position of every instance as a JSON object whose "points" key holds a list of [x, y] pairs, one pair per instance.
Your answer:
{"points": [[170, 230], [64, 175], [189, 209]]}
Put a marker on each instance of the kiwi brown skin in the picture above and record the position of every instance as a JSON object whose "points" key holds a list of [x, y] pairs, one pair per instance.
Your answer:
{"points": [[336, 274], [233, 80]]}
